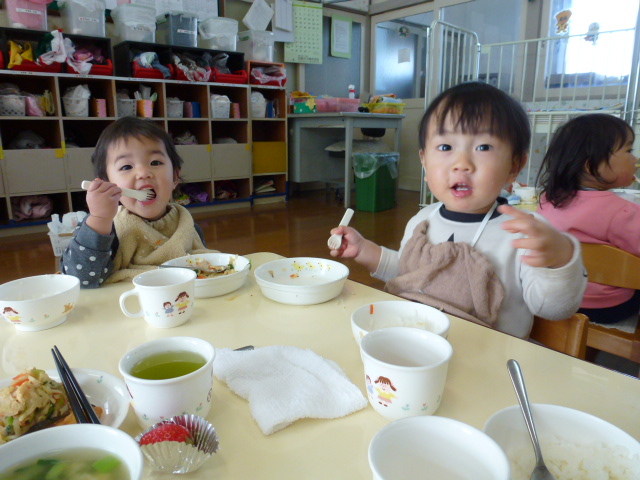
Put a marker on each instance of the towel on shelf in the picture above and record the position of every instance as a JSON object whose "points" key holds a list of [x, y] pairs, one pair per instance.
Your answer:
{"points": [[284, 384]]}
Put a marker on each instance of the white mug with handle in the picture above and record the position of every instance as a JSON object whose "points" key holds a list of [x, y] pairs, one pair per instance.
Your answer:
{"points": [[165, 296]]}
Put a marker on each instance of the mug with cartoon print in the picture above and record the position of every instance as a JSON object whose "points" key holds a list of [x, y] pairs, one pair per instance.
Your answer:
{"points": [[165, 295], [405, 370]]}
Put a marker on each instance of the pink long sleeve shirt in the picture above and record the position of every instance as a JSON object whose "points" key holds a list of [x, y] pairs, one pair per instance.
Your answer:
{"points": [[599, 217]]}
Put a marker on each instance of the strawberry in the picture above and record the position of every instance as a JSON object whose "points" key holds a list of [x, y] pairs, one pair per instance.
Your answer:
{"points": [[167, 432]]}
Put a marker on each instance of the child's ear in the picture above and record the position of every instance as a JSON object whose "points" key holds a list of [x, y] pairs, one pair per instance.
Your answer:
{"points": [[517, 166], [176, 178], [423, 161]]}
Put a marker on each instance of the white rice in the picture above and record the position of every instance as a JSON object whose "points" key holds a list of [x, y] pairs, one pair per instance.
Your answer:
{"points": [[569, 461]]}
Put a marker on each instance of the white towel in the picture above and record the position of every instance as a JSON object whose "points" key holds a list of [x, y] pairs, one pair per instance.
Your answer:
{"points": [[284, 384]]}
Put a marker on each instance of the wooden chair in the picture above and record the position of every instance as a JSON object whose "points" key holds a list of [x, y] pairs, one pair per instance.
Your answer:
{"points": [[566, 336], [611, 266]]}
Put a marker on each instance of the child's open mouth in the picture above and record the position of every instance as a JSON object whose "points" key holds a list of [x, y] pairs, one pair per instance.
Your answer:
{"points": [[151, 194], [461, 189]]}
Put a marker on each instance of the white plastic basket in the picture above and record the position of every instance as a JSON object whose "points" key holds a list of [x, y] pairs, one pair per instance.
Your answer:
{"points": [[258, 109], [175, 108], [12, 105], [76, 107], [220, 108], [126, 107], [60, 242]]}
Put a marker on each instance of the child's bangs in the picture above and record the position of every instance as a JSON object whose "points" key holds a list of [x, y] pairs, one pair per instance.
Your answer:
{"points": [[468, 117]]}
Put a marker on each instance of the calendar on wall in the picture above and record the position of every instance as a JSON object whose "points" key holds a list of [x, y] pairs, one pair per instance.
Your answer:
{"points": [[307, 26]]}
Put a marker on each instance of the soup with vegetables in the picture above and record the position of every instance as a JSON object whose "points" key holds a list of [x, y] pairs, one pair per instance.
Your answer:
{"points": [[77, 464]]}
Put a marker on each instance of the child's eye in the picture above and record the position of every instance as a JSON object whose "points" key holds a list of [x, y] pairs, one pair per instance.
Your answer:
{"points": [[444, 147], [125, 167], [484, 148], [155, 163]]}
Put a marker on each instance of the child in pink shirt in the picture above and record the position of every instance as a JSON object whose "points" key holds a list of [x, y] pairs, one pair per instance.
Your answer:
{"points": [[588, 156]]}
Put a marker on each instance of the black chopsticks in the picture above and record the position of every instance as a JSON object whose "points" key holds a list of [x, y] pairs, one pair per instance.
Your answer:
{"points": [[80, 406]]}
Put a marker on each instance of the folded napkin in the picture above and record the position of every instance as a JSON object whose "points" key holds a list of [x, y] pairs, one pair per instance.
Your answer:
{"points": [[284, 384]]}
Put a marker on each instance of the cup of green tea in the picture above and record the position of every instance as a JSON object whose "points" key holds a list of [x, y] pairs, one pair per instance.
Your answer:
{"points": [[169, 376]]}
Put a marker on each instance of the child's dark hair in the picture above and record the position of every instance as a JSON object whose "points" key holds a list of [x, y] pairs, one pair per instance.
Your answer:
{"points": [[476, 106], [125, 128], [577, 148]]}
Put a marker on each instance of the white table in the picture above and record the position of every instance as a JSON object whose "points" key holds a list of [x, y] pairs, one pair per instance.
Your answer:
{"points": [[304, 156], [97, 334]]}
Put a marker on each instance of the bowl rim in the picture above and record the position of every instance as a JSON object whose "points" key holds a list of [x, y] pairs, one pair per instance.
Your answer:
{"points": [[562, 411], [364, 307], [74, 283], [262, 268]]}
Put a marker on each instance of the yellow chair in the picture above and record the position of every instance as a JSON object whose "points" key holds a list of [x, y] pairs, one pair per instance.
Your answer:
{"points": [[609, 265], [566, 336]]}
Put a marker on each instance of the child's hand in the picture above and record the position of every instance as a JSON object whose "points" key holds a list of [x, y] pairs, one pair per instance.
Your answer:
{"points": [[547, 246], [355, 246], [102, 200]]}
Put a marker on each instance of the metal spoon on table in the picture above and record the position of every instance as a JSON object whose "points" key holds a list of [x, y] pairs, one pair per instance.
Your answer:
{"points": [[540, 471]]}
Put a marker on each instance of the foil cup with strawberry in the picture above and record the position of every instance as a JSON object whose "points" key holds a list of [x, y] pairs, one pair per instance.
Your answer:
{"points": [[179, 445]]}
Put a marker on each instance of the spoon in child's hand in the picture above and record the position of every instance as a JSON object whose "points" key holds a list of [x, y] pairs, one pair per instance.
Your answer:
{"points": [[335, 240], [141, 195]]}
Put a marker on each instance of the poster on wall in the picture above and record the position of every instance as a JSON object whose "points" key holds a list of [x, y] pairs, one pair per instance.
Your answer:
{"points": [[307, 27], [341, 36]]}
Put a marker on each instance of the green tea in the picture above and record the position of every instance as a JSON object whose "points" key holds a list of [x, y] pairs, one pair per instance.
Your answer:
{"points": [[161, 366]]}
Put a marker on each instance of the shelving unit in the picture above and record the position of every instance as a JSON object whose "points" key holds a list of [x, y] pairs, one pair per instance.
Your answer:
{"points": [[258, 152]]}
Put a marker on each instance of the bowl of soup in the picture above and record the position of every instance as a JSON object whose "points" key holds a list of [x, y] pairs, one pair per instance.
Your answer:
{"points": [[73, 452]]}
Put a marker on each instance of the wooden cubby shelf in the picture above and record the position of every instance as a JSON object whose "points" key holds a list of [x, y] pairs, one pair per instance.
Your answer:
{"points": [[224, 158]]}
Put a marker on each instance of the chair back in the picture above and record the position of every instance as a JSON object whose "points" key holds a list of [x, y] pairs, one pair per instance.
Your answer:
{"points": [[609, 265], [566, 336]]}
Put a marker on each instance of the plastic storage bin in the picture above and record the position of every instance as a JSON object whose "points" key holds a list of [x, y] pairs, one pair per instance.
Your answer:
{"points": [[256, 45], [75, 107], [376, 175], [218, 33], [337, 104], [383, 107], [175, 108], [126, 107], [136, 23], [177, 28], [31, 14], [12, 105], [84, 17]]}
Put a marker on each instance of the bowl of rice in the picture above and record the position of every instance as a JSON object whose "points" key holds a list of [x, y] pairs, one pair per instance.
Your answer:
{"points": [[575, 445], [218, 273]]}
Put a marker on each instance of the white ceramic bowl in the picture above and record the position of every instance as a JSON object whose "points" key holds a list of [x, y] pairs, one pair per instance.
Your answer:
{"points": [[435, 447], [587, 435], [398, 313], [71, 437], [40, 302], [102, 390], [216, 286], [302, 280]]}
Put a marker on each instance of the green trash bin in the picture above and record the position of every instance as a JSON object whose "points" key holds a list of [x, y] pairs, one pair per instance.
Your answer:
{"points": [[376, 175]]}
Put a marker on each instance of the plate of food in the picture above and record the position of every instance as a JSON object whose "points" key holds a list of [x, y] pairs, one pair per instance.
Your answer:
{"points": [[34, 399]]}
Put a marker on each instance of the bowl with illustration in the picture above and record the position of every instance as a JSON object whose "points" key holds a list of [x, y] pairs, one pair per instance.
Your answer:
{"points": [[218, 273], [301, 280], [38, 302]]}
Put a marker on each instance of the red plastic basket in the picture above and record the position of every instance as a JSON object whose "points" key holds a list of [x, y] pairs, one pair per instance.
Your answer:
{"points": [[96, 69], [141, 72], [239, 76], [1, 61], [178, 74], [31, 66], [277, 82]]}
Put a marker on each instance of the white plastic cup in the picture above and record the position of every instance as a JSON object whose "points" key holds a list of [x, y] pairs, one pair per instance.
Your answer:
{"points": [[165, 296], [405, 371], [157, 400]]}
